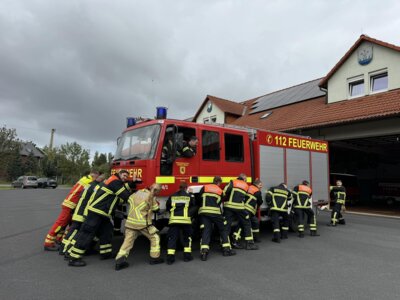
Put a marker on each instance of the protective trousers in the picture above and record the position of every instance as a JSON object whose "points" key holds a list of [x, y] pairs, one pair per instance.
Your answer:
{"points": [[130, 237], [56, 232], [207, 222], [244, 221], [311, 219], [255, 228], [71, 234], [173, 236], [94, 225], [336, 216], [275, 215]]}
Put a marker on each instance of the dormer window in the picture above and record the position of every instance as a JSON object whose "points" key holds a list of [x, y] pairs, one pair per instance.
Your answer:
{"points": [[379, 82], [356, 88]]}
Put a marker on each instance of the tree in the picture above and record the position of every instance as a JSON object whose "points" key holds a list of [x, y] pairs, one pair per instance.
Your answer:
{"points": [[9, 146], [72, 161], [15, 166], [101, 162]]}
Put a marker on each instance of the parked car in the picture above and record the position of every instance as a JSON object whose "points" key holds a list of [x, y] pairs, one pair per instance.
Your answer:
{"points": [[47, 182], [25, 182]]}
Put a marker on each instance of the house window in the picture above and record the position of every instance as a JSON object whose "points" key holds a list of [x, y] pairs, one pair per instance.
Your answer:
{"points": [[206, 120], [210, 145], [379, 82], [266, 115], [234, 148], [214, 119], [356, 88]]}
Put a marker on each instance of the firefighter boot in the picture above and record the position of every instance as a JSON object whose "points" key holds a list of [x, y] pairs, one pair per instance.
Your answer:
{"points": [[170, 259], [342, 222], [228, 252], [203, 255], [51, 248], [301, 234], [76, 262], [187, 257], [156, 261], [276, 238], [106, 256], [121, 263], [251, 246], [256, 237], [236, 245], [314, 233]]}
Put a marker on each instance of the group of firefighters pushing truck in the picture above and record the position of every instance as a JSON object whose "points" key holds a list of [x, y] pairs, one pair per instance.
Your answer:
{"points": [[90, 205]]}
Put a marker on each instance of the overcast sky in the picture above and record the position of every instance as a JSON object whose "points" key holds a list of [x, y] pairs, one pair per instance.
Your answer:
{"points": [[82, 67]]}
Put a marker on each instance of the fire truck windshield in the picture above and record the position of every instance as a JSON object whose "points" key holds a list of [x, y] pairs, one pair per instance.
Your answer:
{"points": [[139, 143]]}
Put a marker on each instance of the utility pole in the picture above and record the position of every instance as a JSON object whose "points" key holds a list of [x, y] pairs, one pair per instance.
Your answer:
{"points": [[51, 139]]}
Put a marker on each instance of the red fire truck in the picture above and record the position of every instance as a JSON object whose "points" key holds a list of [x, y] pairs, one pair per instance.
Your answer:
{"points": [[225, 151]]}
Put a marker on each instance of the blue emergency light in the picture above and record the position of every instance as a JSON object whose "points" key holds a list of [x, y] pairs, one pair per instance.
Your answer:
{"points": [[130, 122], [161, 112]]}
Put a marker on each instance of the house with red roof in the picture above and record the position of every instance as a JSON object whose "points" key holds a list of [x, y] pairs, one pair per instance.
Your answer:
{"points": [[356, 107]]}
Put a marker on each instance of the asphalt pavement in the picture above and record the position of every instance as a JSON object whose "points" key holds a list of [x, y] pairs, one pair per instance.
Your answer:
{"points": [[357, 261]]}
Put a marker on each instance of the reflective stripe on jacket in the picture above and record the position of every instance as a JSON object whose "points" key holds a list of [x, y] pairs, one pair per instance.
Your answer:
{"points": [[141, 208], [254, 199], [338, 194], [179, 205], [236, 192], [107, 196], [302, 196], [210, 196], [278, 198], [75, 193]]}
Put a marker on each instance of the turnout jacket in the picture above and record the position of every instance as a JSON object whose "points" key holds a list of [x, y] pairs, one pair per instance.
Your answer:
{"points": [[186, 150], [141, 208], [253, 199], [210, 200], [278, 197], [181, 206], [106, 197], [236, 192], [79, 213], [338, 194], [75, 193], [302, 196]]}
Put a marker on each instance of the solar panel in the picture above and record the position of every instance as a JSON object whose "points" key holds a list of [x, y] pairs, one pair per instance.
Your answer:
{"points": [[301, 92]]}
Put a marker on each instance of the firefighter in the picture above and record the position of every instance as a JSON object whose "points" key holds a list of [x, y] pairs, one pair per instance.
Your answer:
{"points": [[79, 213], [338, 196], [98, 219], [278, 200], [167, 156], [55, 235], [181, 207], [236, 192], [210, 214], [252, 204], [302, 205], [188, 149], [142, 204]]}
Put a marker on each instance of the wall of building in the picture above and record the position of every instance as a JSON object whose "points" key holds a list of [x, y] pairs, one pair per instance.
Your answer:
{"points": [[215, 112], [383, 58]]}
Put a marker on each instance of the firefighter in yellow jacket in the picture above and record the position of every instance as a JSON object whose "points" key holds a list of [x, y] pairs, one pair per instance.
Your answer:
{"points": [[142, 204]]}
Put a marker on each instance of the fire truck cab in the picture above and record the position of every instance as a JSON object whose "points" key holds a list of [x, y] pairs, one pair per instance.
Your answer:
{"points": [[224, 151]]}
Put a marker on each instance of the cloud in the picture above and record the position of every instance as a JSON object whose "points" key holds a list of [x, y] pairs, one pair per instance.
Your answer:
{"points": [[82, 67]]}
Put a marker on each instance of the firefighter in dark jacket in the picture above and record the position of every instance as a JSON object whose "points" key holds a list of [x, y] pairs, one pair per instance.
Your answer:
{"points": [[188, 149], [181, 207], [302, 206], [98, 219], [56, 232], [338, 196], [167, 156], [252, 204], [278, 199], [79, 214], [236, 192], [210, 214]]}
